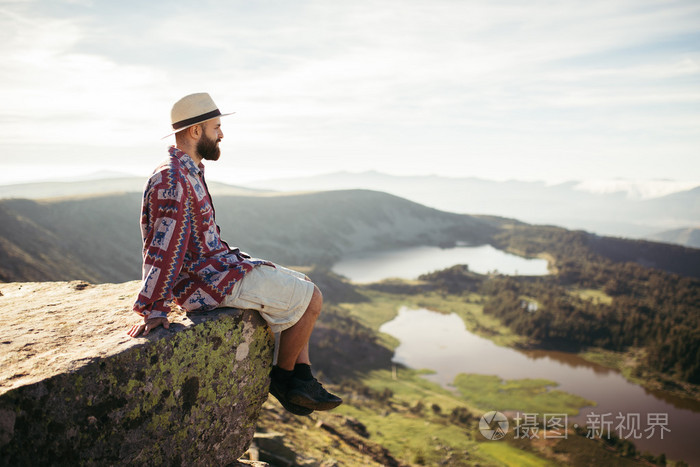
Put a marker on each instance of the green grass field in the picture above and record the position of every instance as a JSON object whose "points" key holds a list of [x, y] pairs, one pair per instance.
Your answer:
{"points": [[593, 295], [503, 454], [488, 392], [417, 424]]}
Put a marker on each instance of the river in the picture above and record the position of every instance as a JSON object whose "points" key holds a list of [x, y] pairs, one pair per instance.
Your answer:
{"points": [[441, 343], [409, 263]]}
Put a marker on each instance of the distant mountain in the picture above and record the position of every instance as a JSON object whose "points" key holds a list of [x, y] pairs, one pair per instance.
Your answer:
{"points": [[563, 204], [97, 186], [97, 238], [566, 204], [689, 236]]}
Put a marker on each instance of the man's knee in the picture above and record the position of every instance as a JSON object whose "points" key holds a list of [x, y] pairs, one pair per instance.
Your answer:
{"points": [[316, 302]]}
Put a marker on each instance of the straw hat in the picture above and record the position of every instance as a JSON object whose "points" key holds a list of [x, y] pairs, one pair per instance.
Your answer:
{"points": [[191, 110]]}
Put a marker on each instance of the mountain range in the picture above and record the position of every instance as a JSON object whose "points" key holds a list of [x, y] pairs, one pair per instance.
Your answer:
{"points": [[672, 218], [566, 204], [96, 237], [100, 184], [689, 236]]}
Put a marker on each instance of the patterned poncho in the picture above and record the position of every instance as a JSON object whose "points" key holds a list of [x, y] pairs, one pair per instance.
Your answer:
{"points": [[184, 258]]}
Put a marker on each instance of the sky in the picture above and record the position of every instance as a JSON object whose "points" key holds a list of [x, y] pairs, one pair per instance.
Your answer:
{"points": [[548, 90]]}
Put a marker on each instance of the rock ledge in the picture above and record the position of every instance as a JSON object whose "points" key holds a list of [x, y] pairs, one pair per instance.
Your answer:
{"points": [[75, 389]]}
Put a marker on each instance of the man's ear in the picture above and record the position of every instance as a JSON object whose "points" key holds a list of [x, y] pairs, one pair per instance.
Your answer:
{"points": [[195, 131]]}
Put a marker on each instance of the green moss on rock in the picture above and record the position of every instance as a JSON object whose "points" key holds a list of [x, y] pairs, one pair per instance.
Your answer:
{"points": [[191, 397]]}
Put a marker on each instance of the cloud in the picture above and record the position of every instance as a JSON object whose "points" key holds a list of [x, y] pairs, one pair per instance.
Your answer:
{"points": [[51, 89], [636, 189], [372, 81]]}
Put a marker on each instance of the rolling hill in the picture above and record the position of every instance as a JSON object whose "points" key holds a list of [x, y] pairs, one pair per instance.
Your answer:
{"points": [[689, 236], [568, 204], [99, 186], [627, 210], [97, 238]]}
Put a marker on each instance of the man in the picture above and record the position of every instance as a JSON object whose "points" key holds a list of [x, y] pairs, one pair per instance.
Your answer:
{"points": [[186, 262]]}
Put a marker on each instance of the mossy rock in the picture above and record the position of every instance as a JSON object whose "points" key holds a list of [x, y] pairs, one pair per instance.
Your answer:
{"points": [[188, 396]]}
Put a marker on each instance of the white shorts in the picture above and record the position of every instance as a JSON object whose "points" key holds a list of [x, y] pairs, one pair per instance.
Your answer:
{"points": [[280, 295]]}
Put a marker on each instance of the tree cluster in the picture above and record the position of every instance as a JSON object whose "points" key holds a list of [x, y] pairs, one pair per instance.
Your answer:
{"points": [[646, 307]]}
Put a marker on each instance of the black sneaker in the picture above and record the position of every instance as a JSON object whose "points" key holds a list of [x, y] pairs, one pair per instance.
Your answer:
{"points": [[310, 394], [277, 390]]}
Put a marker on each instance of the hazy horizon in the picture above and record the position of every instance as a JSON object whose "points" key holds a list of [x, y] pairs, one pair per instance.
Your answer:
{"points": [[638, 189]]}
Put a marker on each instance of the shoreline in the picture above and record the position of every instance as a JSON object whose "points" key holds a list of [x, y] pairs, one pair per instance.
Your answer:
{"points": [[383, 307], [625, 363]]}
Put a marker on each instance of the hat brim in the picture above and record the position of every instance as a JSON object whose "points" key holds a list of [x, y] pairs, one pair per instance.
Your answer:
{"points": [[196, 123]]}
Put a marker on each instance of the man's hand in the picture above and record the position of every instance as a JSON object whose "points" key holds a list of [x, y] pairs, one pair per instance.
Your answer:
{"points": [[151, 324]]}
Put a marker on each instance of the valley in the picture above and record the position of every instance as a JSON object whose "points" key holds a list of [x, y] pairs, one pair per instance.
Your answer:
{"points": [[628, 304]]}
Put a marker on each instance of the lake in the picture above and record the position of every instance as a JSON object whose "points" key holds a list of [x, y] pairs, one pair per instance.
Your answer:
{"points": [[409, 263], [441, 343]]}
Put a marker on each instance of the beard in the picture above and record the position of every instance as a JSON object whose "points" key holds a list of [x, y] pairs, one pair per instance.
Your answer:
{"points": [[208, 148]]}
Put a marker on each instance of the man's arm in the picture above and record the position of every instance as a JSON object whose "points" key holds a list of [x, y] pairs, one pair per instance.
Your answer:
{"points": [[166, 230]]}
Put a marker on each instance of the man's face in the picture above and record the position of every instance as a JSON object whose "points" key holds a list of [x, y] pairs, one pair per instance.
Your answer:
{"points": [[208, 144]]}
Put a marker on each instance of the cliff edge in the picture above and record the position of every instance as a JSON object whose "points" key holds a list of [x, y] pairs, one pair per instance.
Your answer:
{"points": [[76, 389]]}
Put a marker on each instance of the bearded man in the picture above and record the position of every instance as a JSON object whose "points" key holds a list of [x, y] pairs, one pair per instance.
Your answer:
{"points": [[186, 262]]}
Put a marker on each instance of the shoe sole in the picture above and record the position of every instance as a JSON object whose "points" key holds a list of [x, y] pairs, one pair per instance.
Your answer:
{"points": [[298, 399], [289, 406]]}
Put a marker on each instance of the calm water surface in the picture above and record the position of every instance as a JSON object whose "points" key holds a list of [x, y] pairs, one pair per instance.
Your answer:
{"points": [[441, 343], [409, 263]]}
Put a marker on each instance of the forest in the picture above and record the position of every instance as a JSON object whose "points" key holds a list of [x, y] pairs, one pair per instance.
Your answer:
{"points": [[633, 305]]}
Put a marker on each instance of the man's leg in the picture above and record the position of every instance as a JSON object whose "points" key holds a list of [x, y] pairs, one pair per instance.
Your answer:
{"points": [[288, 346], [293, 369], [263, 289], [304, 356], [294, 342]]}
